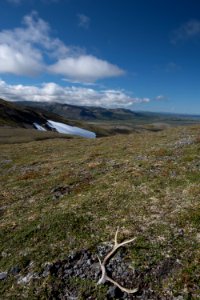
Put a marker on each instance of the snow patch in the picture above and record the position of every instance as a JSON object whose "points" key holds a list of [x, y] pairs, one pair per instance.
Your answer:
{"points": [[67, 129], [39, 127]]}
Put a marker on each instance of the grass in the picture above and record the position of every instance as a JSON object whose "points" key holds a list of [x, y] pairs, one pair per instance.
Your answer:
{"points": [[145, 183], [9, 135]]}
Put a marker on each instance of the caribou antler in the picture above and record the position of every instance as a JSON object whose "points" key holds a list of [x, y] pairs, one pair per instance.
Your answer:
{"points": [[104, 276]]}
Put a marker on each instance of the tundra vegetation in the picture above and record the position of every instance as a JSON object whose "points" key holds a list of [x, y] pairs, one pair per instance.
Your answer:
{"points": [[62, 200]]}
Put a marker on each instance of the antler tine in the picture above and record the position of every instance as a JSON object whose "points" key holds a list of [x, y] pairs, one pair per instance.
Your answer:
{"points": [[104, 275], [103, 271], [128, 291], [116, 234], [126, 242]]}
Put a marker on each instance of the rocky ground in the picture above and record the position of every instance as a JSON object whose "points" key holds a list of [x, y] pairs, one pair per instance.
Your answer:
{"points": [[84, 265]]}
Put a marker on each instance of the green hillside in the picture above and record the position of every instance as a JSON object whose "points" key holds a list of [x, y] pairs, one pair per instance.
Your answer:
{"points": [[17, 116], [63, 199]]}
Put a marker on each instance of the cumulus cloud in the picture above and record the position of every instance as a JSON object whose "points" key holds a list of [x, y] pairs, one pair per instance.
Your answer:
{"points": [[52, 92], [83, 21], [19, 62], [187, 31], [21, 49], [27, 49], [85, 68]]}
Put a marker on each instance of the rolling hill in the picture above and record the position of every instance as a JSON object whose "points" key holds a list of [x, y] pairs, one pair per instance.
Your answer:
{"points": [[118, 115], [87, 113], [18, 116], [101, 121]]}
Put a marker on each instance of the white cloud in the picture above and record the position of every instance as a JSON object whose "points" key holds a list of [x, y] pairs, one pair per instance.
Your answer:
{"points": [[187, 31], [85, 68], [27, 49], [19, 62], [21, 49], [52, 92], [84, 21]]}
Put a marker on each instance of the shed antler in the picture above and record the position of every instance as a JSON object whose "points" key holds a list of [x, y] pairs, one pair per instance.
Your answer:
{"points": [[104, 276]]}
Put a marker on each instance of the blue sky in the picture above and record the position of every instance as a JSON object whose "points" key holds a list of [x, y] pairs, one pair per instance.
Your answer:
{"points": [[142, 55]]}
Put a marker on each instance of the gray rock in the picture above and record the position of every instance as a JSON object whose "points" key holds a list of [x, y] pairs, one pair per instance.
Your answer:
{"points": [[45, 273], [26, 279], [178, 298], [89, 262], [112, 291], [14, 270], [3, 275], [46, 270]]}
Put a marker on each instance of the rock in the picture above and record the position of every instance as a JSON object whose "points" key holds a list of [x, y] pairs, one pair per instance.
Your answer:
{"points": [[46, 270], [89, 262], [3, 275], [4, 254], [60, 192], [112, 292], [26, 279], [14, 270], [181, 232], [84, 264]]}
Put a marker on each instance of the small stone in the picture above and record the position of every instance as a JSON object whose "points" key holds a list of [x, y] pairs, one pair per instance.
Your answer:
{"points": [[47, 269], [4, 254], [57, 266], [112, 291], [26, 279], [89, 262], [181, 232], [3, 275], [178, 298], [15, 270], [85, 256], [69, 272]]}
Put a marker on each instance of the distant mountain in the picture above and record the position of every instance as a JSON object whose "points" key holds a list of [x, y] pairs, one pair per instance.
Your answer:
{"points": [[16, 115], [87, 113], [102, 121], [92, 114]]}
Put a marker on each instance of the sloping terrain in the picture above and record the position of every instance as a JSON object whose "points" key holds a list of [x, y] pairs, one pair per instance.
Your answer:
{"points": [[62, 201], [119, 115], [84, 112], [15, 115], [114, 121], [12, 135], [12, 115]]}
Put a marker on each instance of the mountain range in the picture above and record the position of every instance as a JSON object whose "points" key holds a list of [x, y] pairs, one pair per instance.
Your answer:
{"points": [[18, 116], [87, 113], [101, 121]]}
